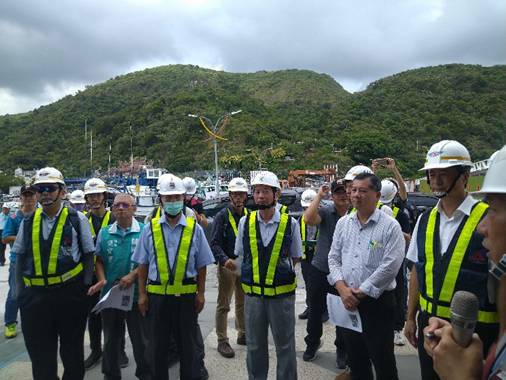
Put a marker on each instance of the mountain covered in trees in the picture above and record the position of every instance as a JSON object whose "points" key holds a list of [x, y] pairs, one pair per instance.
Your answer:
{"points": [[290, 119]]}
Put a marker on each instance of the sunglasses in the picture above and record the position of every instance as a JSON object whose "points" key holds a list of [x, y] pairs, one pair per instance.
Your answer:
{"points": [[49, 188], [121, 205]]}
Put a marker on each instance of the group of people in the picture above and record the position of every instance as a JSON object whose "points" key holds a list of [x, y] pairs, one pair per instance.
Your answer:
{"points": [[354, 247]]}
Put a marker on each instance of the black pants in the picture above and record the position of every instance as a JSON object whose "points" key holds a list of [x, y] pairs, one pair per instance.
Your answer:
{"points": [[113, 322], [305, 266], [2, 249], [400, 299], [49, 315], [199, 365], [94, 324], [171, 316], [319, 289], [376, 342], [487, 333]]}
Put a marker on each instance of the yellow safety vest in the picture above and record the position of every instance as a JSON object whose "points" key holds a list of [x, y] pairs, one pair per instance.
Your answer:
{"points": [[51, 278], [452, 273], [267, 289], [232, 222], [105, 222], [171, 282], [283, 209], [303, 236], [395, 211]]}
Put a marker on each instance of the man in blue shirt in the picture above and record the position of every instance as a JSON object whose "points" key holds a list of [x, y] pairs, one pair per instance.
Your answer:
{"points": [[4, 216], [172, 254], [115, 245], [28, 202]]}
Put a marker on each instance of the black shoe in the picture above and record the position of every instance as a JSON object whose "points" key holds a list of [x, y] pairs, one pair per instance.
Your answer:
{"points": [[310, 353], [204, 375], [325, 317], [241, 340], [92, 360], [341, 359], [304, 314], [123, 359]]}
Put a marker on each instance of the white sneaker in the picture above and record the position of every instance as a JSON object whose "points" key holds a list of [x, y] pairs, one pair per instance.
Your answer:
{"points": [[399, 339]]}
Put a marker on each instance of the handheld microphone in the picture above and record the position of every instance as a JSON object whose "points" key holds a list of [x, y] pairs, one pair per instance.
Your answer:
{"points": [[463, 315]]}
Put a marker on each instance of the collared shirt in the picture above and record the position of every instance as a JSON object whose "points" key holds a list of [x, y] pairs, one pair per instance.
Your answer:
{"points": [[115, 245], [329, 217], [11, 229], [47, 224], [200, 253], [267, 231], [447, 227], [223, 236], [367, 256]]}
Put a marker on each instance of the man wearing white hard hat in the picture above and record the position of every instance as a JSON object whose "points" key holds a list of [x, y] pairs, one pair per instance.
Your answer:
{"points": [[192, 201], [451, 361], [95, 195], [77, 200], [54, 266], [447, 251], [223, 237], [269, 245], [309, 235], [389, 192], [172, 254]]}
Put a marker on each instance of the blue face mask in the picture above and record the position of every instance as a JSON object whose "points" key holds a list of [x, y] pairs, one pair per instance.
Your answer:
{"points": [[173, 208]]}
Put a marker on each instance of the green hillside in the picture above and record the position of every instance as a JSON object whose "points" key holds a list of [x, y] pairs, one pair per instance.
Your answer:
{"points": [[290, 119]]}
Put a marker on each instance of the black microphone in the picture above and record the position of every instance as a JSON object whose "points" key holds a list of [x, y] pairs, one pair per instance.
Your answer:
{"points": [[463, 315]]}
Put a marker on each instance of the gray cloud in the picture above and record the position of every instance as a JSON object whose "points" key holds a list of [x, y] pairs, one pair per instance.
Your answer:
{"points": [[64, 45]]}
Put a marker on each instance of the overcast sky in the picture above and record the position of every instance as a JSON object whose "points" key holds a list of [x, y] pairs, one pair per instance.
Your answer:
{"points": [[49, 49]]}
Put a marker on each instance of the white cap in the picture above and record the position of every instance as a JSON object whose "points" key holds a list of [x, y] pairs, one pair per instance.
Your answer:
{"points": [[48, 175], [388, 191], [171, 185], [355, 171], [266, 178], [190, 185], [77, 197], [495, 179], [445, 154], [238, 184], [94, 186], [307, 197]]}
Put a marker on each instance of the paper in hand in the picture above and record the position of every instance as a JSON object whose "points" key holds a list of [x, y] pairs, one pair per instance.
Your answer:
{"points": [[339, 316], [116, 298]]}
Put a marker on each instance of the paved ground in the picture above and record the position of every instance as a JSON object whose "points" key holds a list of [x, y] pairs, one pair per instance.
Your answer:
{"points": [[15, 364]]}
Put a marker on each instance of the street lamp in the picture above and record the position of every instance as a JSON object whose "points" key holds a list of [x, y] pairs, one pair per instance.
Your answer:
{"points": [[215, 143]]}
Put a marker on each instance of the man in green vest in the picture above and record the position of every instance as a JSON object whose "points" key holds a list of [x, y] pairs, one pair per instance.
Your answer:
{"points": [[447, 251], [115, 246], [172, 255], [269, 244], [54, 265]]}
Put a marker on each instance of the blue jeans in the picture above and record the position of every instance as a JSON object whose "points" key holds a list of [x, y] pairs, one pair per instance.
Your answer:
{"points": [[11, 303]]}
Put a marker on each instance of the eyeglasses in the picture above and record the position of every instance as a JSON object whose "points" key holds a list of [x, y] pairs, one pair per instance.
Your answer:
{"points": [[48, 188], [121, 205]]}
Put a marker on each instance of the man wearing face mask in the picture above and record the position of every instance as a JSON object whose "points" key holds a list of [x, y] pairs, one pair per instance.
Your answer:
{"points": [[269, 245], [172, 254], [447, 251], [223, 243], [452, 361], [54, 265]]}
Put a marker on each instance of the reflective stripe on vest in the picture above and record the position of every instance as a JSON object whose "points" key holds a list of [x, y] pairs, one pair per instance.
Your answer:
{"points": [[273, 260], [395, 211], [172, 284], [49, 279], [105, 222], [283, 209], [232, 222], [452, 273]]}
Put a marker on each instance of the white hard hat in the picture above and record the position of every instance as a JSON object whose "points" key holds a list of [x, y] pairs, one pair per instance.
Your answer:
{"points": [[445, 154], [190, 185], [238, 184], [171, 185], [307, 197], [94, 186], [356, 170], [48, 175], [495, 180], [266, 178], [388, 191], [77, 197]]}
